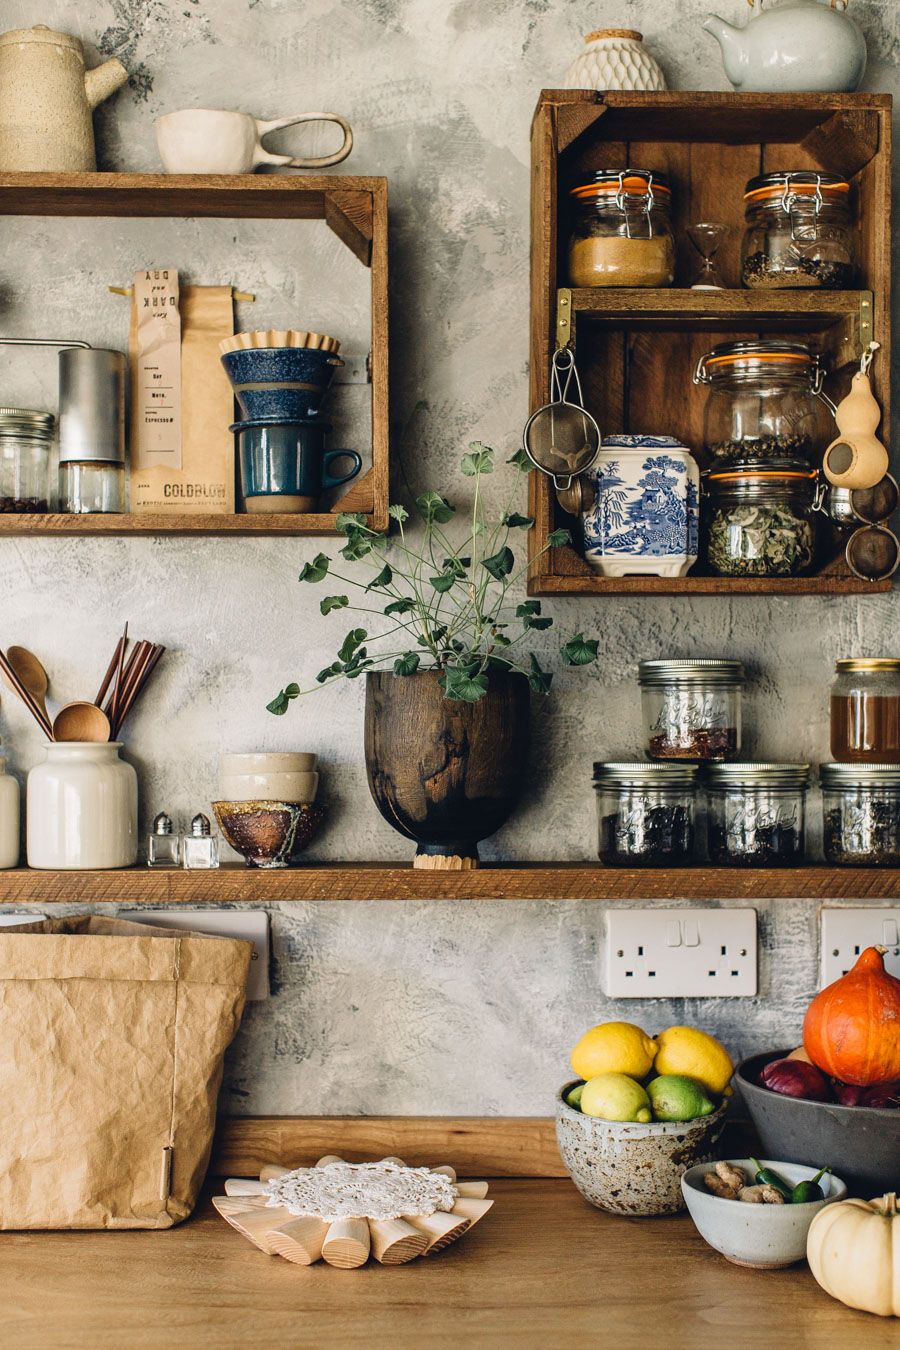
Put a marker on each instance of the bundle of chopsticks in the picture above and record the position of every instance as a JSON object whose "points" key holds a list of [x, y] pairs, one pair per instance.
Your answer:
{"points": [[125, 679]]}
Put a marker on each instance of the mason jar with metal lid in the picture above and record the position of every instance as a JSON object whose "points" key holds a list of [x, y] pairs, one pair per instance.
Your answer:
{"points": [[765, 403], [692, 709], [761, 520], [756, 814], [26, 440], [865, 710], [861, 814], [800, 231], [622, 233], [646, 814]]}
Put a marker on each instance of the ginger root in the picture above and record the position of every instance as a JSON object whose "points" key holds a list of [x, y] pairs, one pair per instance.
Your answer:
{"points": [[735, 1177], [719, 1187], [761, 1195]]}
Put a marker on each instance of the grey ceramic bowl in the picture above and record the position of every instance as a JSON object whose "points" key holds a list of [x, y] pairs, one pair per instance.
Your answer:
{"points": [[629, 1168], [764, 1237], [862, 1143]]}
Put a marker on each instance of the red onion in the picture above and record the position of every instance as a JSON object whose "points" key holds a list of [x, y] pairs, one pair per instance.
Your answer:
{"points": [[886, 1096], [796, 1078]]}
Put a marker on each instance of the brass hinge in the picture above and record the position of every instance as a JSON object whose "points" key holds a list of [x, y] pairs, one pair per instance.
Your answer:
{"points": [[866, 319], [565, 331]]}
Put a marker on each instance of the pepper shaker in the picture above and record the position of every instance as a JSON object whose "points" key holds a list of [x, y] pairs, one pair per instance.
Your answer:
{"points": [[200, 848], [163, 845]]}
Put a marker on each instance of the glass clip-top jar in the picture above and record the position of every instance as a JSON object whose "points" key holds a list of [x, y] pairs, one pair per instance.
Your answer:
{"points": [[761, 520], [622, 235], [861, 814], [646, 814], [756, 814], [692, 709], [799, 231], [765, 403], [865, 710], [26, 438]]}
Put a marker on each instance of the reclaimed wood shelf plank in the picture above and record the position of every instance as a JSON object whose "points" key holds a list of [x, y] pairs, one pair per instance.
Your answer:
{"points": [[235, 883], [201, 524]]}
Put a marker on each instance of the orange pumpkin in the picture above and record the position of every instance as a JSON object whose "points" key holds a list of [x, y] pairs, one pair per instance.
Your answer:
{"points": [[852, 1029]]}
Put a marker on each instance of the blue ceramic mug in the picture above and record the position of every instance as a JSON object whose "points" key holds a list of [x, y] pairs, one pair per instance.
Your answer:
{"points": [[285, 466]]}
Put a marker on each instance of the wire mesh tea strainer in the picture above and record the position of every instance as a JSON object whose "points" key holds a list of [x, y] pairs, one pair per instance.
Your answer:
{"points": [[561, 438]]}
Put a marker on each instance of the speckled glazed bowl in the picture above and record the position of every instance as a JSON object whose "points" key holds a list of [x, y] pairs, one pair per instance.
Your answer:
{"points": [[268, 834], [631, 1168]]}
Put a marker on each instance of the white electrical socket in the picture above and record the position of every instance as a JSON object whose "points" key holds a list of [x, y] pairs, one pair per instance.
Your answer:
{"points": [[250, 924], [847, 932], [680, 953]]}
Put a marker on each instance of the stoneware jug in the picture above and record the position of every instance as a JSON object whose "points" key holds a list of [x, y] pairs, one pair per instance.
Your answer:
{"points": [[46, 101], [615, 58], [793, 47]]}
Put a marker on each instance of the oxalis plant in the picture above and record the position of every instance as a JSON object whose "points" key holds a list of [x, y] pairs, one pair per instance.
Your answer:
{"points": [[447, 605]]}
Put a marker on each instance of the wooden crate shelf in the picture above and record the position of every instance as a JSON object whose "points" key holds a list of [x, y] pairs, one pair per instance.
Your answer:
{"points": [[637, 348], [354, 208], [391, 881]]}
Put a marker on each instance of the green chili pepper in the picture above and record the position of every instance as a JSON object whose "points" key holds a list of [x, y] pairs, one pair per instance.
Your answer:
{"points": [[807, 1191], [766, 1177]]}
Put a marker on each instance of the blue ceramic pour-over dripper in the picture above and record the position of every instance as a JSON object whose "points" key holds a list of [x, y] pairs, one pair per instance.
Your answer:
{"points": [[277, 383]]}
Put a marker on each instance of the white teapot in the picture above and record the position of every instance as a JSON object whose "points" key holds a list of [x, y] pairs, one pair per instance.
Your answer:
{"points": [[46, 101], [793, 47]]}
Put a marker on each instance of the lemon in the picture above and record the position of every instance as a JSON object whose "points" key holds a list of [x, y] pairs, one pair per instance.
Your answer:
{"points": [[685, 1050], [673, 1096], [614, 1047], [615, 1096]]}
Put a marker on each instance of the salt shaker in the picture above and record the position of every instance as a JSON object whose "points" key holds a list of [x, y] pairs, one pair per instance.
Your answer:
{"points": [[163, 845], [200, 848]]}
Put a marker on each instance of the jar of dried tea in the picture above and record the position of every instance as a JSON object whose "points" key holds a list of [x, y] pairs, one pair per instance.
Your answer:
{"points": [[646, 814], [861, 814], [865, 710], [756, 814], [800, 231], [692, 709], [622, 232], [760, 520]]}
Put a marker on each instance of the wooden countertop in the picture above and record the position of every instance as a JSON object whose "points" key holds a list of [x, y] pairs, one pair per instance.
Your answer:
{"points": [[543, 1271]]}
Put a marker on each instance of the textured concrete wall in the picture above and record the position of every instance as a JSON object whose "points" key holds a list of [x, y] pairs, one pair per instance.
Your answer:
{"points": [[379, 1007]]}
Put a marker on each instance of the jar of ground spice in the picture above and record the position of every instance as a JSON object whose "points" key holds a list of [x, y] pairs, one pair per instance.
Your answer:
{"points": [[622, 233], [26, 438], [861, 814], [646, 814], [756, 814], [692, 709], [865, 710], [800, 231]]}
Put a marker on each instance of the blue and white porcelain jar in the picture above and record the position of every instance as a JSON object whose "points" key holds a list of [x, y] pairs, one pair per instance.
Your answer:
{"points": [[645, 520]]}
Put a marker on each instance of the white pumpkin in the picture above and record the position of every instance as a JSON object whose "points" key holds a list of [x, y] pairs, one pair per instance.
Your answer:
{"points": [[853, 1249]]}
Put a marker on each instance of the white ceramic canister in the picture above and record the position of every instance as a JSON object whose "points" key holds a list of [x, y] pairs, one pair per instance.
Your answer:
{"points": [[615, 58], [82, 808], [645, 520], [9, 818]]}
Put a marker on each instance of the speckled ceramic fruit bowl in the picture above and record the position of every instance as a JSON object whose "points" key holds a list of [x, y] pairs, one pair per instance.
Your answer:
{"points": [[629, 1168], [268, 834]]}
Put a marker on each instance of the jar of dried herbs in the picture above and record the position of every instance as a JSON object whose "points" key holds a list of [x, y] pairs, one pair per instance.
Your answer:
{"points": [[26, 438], [765, 403], [800, 231], [756, 814], [760, 521], [692, 709], [622, 231], [861, 814], [646, 814]]}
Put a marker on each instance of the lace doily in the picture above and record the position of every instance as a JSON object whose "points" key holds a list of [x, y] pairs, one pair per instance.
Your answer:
{"points": [[375, 1190]]}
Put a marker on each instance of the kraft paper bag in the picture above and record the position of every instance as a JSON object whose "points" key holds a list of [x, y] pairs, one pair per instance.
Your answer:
{"points": [[112, 1037]]}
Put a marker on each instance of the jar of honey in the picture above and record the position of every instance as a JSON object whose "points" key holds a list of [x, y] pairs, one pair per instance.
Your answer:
{"points": [[865, 711]]}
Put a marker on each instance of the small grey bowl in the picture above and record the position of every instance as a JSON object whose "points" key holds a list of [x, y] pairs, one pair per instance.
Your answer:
{"points": [[630, 1168], [763, 1237]]}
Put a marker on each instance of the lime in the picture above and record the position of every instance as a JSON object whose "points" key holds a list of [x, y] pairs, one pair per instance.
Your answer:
{"points": [[674, 1096], [573, 1096], [615, 1096], [614, 1047]]}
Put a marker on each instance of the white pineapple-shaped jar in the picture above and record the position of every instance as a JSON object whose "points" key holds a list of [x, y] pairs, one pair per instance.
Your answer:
{"points": [[615, 58]]}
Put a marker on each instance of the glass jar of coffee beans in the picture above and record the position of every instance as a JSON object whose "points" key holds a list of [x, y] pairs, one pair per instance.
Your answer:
{"points": [[861, 814], [692, 709], [756, 814], [646, 814]]}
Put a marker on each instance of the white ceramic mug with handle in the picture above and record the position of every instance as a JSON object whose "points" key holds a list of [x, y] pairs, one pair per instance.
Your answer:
{"points": [[205, 140]]}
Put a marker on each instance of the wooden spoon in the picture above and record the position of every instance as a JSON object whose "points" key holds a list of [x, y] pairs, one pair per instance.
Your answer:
{"points": [[81, 722], [31, 674]]}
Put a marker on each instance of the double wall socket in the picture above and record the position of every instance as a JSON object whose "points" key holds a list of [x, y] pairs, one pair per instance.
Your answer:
{"points": [[680, 953], [847, 932]]}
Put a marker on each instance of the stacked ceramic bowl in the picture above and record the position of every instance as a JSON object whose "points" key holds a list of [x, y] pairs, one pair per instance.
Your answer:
{"points": [[267, 808]]}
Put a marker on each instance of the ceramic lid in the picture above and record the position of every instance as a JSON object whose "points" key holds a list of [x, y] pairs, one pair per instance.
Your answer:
{"points": [[41, 33]]}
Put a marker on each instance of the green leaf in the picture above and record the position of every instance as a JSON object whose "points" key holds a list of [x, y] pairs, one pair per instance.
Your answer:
{"points": [[528, 607], [435, 636], [500, 640], [357, 546], [384, 578], [347, 521], [434, 508], [528, 612], [514, 521], [538, 625], [398, 513], [291, 690], [540, 680], [400, 606], [579, 651], [407, 664], [463, 687], [521, 461], [279, 704], [557, 538], [479, 460], [444, 582], [457, 565], [333, 602], [500, 564], [336, 668], [317, 570], [351, 642]]}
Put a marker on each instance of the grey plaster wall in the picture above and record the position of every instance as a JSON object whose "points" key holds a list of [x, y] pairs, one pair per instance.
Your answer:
{"points": [[406, 1008]]}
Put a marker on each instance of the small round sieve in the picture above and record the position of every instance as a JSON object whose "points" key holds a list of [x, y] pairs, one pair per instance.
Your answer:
{"points": [[561, 438]]}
